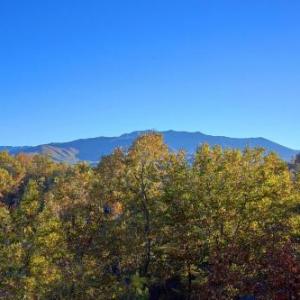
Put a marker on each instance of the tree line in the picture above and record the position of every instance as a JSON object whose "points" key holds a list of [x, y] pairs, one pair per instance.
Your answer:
{"points": [[148, 223]]}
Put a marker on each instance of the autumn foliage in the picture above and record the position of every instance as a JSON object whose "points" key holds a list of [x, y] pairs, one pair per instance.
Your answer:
{"points": [[147, 223]]}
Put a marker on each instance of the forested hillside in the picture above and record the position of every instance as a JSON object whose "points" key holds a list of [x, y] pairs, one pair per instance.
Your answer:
{"points": [[148, 224]]}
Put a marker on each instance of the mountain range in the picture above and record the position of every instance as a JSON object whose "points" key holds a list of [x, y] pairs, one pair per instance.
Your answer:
{"points": [[92, 149]]}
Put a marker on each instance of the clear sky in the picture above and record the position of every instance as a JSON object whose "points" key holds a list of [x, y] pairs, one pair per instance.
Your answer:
{"points": [[76, 69]]}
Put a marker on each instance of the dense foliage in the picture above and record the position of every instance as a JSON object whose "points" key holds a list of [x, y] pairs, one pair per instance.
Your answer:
{"points": [[149, 224]]}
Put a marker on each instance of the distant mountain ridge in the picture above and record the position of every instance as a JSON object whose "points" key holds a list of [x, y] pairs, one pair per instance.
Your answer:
{"points": [[92, 149]]}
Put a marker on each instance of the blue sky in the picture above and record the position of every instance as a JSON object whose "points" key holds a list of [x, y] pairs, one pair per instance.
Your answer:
{"points": [[74, 69]]}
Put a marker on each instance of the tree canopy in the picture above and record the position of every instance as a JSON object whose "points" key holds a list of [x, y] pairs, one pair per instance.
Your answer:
{"points": [[148, 223]]}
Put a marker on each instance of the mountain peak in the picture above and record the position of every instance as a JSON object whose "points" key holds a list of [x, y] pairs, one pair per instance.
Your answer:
{"points": [[92, 149]]}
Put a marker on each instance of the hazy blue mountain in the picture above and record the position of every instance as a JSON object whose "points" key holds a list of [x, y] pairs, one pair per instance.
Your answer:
{"points": [[93, 149]]}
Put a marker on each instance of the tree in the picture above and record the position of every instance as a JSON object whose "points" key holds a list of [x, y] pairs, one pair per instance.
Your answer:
{"points": [[245, 206], [145, 169], [11, 176]]}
